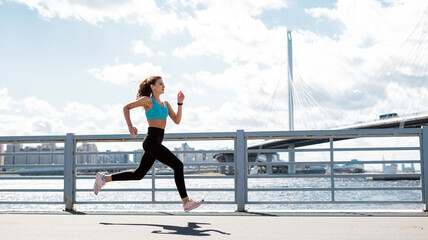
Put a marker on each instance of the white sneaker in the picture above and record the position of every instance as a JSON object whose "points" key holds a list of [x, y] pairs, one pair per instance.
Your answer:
{"points": [[99, 183], [192, 204]]}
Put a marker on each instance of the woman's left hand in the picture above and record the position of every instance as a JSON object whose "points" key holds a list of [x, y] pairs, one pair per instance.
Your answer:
{"points": [[180, 97]]}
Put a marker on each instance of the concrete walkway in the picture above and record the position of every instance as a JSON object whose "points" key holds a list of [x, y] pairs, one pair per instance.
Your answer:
{"points": [[243, 226]]}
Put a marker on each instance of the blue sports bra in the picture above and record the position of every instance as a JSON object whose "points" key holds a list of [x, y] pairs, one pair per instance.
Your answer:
{"points": [[157, 111]]}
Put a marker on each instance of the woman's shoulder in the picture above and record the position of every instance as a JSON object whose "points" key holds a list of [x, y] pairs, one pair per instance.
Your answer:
{"points": [[167, 103], [144, 99]]}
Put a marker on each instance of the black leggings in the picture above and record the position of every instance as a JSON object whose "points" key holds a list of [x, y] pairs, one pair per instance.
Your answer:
{"points": [[153, 149]]}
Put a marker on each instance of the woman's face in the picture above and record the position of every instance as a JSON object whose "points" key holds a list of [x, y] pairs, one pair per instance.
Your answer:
{"points": [[158, 87]]}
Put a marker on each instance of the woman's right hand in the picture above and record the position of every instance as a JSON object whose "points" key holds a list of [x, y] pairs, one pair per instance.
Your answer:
{"points": [[133, 131]]}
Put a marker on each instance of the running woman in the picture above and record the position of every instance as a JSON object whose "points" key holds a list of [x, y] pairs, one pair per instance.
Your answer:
{"points": [[148, 97]]}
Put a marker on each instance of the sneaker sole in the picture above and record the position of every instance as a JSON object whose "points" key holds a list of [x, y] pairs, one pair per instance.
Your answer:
{"points": [[95, 185]]}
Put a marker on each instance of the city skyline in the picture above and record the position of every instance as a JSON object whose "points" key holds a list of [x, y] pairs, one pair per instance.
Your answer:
{"points": [[86, 158]]}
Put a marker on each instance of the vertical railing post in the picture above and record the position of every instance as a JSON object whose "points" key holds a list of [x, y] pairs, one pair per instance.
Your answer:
{"points": [[69, 172], [424, 166], [153, 183], [333, 198], [240, 170]]}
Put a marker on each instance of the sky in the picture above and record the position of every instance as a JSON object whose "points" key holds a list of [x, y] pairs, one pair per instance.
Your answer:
{"points": [[69, 66]]}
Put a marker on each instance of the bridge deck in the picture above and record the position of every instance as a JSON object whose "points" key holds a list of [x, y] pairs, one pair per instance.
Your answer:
{"points": [[164, 225], [413, 121]]}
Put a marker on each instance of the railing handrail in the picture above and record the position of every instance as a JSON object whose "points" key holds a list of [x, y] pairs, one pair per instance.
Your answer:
{"points": [[167, 136], [29, 139], [204, 135], [335, 133]]}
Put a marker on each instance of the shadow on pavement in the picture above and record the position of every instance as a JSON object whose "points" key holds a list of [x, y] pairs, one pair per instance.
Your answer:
{"points": [[190, 230]]}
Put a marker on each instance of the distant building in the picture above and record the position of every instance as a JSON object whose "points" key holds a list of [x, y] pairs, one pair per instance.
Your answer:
{"points": [[33, 159], [192, 157], [405, 168], [104, 158], [87, 158], [47, 159], [118, 158], [204, 157], [12, 159], [1, 157], [185, 157], [51, 159], [138, 156], [59, 159]]}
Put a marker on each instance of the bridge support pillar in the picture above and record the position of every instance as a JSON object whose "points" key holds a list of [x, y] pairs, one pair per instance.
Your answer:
{"points": [[230, 170], [269, 167], [291, 158]]}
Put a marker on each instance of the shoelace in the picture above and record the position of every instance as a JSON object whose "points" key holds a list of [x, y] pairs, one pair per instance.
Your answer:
{"points": [[188, 200]]}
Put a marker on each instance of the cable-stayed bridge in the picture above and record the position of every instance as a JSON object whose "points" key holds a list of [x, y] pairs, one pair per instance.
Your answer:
{"points": [[411, 84], [408, 96]]}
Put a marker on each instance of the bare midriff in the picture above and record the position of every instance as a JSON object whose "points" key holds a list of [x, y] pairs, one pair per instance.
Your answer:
{"points": [[158, 123]]}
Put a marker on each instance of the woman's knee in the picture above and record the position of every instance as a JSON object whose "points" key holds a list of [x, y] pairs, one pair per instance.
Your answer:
{"points": [[178, 166], [138, 175]]}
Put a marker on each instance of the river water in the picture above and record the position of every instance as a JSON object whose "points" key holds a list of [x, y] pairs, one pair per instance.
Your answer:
{"points": [[366, 195]]}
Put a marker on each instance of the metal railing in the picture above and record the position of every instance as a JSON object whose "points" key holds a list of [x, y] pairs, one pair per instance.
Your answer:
{"points": [[333, 189], [240, 165], [152, 173]]}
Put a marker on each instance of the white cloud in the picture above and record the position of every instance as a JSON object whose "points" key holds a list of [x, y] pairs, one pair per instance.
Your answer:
{"points": [[82, 111], [39, 108], [143, 12], [248, 83], [141, 48], [252, 7], [33, 116], [246, 103], [126, 73], [44, 125], [227, 29], [15, 125], [83, 118], [236, 35], [365, 56], [397, 98], [162, 53], [382, 23], [5, 100], [28, 116]]}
